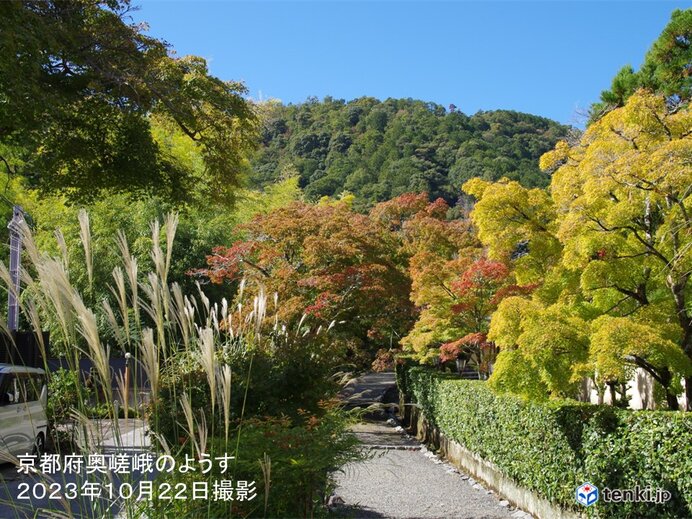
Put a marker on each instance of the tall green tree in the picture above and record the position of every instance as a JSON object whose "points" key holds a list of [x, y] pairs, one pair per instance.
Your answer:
{"points": [[667, 69], [625, 194], [79, 88]]}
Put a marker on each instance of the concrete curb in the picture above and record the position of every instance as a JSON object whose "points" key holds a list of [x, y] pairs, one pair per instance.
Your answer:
{"points": [[483, 470]]}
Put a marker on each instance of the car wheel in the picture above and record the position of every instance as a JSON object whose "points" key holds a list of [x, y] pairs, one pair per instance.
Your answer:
{"points": [[39, 445]]}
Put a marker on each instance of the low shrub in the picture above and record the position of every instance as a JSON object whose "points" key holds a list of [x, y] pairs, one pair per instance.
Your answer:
{"points": [[291, 465], [649, 449], [262, 385], [66, 393], [552, 448]]}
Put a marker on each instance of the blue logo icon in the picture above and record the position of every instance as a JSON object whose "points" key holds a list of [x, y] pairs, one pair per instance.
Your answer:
{"points": [[587, 494]]}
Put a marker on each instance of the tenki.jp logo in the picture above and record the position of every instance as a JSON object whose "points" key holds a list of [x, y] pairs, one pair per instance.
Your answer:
{"points": [[587, 494]]}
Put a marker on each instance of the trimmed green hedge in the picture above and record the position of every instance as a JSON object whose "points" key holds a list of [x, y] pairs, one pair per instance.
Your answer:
{"points": [[552, 448]]}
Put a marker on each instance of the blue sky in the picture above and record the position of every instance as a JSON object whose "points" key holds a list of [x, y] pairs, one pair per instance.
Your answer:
{"points": [[547, 58]]}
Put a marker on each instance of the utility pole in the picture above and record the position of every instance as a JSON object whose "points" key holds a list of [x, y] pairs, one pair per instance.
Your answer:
{"points": [[15, 227]]}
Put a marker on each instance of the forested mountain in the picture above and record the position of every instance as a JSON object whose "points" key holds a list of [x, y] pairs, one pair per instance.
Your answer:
{"points": [[380, 149]]}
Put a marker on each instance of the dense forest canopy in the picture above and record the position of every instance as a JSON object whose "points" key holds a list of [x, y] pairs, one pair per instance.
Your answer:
{"points": [[378, 150], [88, 101]]}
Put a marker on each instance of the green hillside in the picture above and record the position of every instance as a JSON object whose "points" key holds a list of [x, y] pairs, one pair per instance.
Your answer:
{"points": [[380, 149]]}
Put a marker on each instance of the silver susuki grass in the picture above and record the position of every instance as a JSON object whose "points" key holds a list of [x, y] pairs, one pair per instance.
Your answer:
{"points": [[157, 323]]}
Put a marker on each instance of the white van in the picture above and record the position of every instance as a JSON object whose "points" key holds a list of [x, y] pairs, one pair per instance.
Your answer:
{"points": [[23, 422]]}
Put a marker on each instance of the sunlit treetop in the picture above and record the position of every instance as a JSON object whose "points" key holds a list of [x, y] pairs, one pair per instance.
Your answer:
{"points": [[625, 189], [79, 93]]}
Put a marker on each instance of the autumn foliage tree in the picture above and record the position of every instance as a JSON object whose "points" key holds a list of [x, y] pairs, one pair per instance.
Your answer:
{"points": [[457, 316], [625, 197], [438, 250], [329, 264], [454, 286]]}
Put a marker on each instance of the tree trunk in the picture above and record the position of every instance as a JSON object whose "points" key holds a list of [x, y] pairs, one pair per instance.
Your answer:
{"points": [[666, 379], [687, 347], [678, 290], [672, 401]]}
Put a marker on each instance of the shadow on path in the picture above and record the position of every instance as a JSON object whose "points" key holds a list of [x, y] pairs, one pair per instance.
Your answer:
{"points": [[402, 479]]}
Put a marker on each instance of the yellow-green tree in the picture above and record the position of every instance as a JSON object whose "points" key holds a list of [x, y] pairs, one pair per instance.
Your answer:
{"points": [[612, 244], [516, 223], [624, 198]]}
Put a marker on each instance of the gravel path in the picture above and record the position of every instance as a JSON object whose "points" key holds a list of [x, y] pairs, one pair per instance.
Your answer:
{"points": [[403, 479]]}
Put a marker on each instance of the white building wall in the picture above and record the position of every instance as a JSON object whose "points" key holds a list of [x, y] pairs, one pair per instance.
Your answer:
{"points": [[640, 390]]}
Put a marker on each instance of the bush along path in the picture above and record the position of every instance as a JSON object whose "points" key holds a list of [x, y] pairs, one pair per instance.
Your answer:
{"points": [[403, 479]]}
